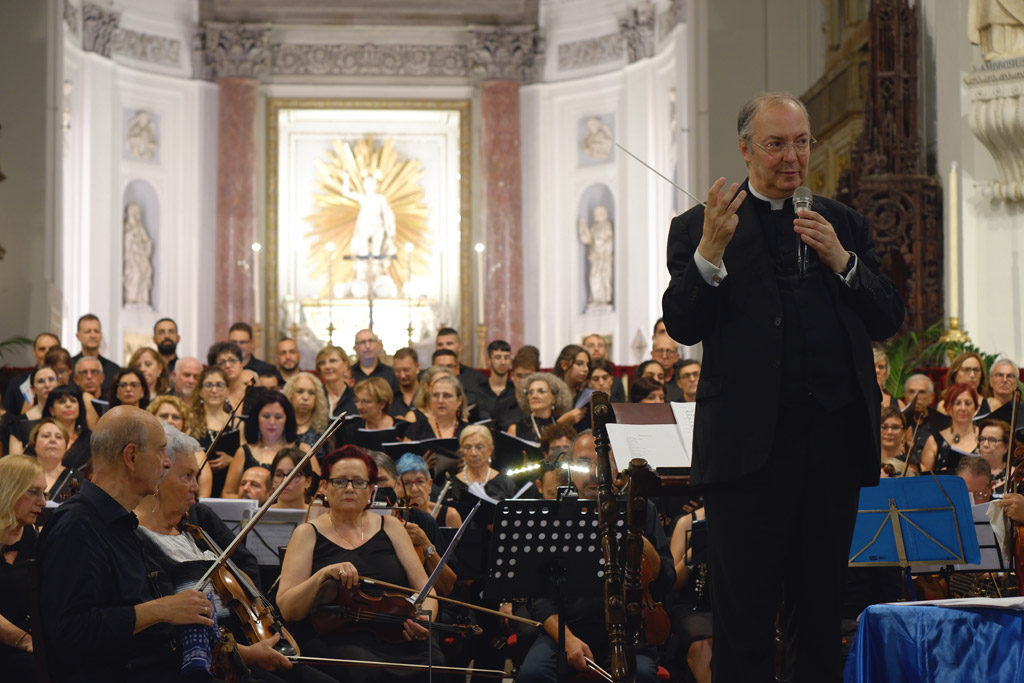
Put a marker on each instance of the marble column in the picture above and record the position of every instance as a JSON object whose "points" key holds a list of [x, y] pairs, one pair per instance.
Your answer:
{"points": [[236, 202], [500, 60], [234, 56], [502, 211]]}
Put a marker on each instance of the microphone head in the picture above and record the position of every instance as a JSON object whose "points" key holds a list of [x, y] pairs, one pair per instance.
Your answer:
{"points": [[802, 199]]}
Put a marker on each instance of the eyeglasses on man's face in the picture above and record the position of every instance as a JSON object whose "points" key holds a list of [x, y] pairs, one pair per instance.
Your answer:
{"points": [[778, 148]]}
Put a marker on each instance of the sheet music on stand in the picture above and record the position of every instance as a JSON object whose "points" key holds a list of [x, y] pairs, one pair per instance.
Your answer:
{"points": [[234, 512], [660, 434], [273, 531]]}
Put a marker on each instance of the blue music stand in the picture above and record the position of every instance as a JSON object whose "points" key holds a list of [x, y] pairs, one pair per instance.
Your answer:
{"points": [[913, 521]]}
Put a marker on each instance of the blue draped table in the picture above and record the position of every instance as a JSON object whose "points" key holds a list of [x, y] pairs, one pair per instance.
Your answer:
{"points": [[928, 644]]}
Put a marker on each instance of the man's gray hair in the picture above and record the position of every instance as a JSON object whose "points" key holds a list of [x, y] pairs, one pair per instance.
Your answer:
{"points": [[745, 120], [178, 443], [975, 465], [108, 441], [384, 462], [926, 378], [1007, 361], [85, 359]]}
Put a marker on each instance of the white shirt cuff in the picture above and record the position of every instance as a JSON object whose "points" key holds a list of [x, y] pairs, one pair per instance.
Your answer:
{"points": [[848, 279], [712, 274]]}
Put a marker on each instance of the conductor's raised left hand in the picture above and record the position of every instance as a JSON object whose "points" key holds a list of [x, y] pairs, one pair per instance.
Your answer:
{"points": [[819, 235]]}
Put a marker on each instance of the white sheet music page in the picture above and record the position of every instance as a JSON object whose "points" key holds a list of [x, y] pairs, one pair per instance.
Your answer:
{"points": [[684, 413], [659, 445]]}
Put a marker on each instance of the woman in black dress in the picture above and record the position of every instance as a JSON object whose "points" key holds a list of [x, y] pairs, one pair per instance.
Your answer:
{"points": [[22, 497], [348, 542], [66, 406], [543, 398]]}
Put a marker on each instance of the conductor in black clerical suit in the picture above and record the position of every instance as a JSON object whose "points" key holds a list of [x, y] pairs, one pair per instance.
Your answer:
{"points": [[781, 481]]}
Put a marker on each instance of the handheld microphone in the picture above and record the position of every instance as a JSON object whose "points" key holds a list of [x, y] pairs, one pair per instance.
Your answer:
{"points": [[803, 200]]}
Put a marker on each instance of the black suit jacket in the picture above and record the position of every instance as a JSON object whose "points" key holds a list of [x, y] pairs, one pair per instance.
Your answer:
{"points": [[740, 323]]}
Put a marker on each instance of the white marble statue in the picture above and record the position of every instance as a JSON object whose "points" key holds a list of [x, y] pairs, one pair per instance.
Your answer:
{"points": [[997, 26], [599, 238], [597, 141], [375, 225], [138, 258], [141, 136]]}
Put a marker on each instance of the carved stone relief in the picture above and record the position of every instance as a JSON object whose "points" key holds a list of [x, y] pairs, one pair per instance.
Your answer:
{"points": [[98, 27], [596, 134], [505, 54], [232, 50], [591, 52], [997, 102], [368, 60], [637, 31], [141, 138], [147, 47]]}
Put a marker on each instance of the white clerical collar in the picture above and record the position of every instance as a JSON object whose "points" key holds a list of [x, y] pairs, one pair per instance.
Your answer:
{"points": [[776, 203]]}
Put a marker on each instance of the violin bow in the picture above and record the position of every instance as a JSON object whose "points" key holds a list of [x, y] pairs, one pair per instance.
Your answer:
{"points": [[237, 540], [486, 610], [493, 673], [421, 595], [206, 456]]}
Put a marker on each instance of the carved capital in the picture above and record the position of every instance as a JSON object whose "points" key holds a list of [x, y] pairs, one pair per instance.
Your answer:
{"points": [[231, 50], [99, 25], [638, 32], [996, 111], [500, 53]]}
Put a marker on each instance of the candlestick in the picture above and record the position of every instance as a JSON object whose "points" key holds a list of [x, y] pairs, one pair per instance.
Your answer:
{"points": [[480, 282], [954, 243], [257, 315]]}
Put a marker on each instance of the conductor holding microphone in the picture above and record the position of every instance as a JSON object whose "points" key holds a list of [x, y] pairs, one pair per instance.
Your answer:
{"points": [[781, 481]]}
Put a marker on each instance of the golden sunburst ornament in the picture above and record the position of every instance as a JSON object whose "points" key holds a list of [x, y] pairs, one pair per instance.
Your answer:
{"points": [[369, 201]]}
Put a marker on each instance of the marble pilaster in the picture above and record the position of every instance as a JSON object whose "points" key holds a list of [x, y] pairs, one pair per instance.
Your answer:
{"points": [[502, 185]]}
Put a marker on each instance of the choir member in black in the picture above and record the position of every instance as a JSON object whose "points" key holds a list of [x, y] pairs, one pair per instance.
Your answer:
{"points": [[882, 376], [309, 401], [207, 406], [573, 367], [373, 396], [1002, 382], [22, 497], [348, 542], [66, 406], [595, 345], [498, 393], [42, 380], [49, 443], [154, 368], [476, 446], [269, 427], [172, 410], [227, 356], [19, 389], [968, 368], [103, 618], [544, 400], [585, 633], [296, 495], [602, 375], [128, 388], [920, 390], [893, 440], [445, 407], [993, 442], [334, 369], [647, 390], [940, 451], [406, 364]]}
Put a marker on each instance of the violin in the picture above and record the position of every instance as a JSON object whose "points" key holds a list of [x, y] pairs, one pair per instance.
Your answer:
{"points": [[657, 626], [257, 615], [337, 609]]}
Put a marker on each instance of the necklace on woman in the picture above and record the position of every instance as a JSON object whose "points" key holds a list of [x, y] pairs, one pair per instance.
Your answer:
{"points": [[957, 437], [536, 429], [339, 532], [437, 429], [486, 478]]}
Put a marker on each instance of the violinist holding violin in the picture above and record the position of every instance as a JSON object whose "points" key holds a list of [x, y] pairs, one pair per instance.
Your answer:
{"points": [[328, 556], [167, 545]]}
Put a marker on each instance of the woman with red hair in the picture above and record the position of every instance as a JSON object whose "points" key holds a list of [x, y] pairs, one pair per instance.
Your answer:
{"points": [[343, 545], [942, 451]]}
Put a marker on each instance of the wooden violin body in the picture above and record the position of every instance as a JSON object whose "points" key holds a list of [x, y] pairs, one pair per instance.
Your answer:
{"points": [[338, 609]]}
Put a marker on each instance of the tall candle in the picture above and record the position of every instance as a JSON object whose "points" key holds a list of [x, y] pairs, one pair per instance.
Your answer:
{"points": [[479, 283], [954, 243], [257, 312]]}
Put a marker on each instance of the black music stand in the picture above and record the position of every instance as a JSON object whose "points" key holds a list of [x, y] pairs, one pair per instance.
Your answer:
{"points": [[535, 540]]}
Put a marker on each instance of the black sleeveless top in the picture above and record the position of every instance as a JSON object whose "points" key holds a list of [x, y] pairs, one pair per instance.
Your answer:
{"points": [[375, 559]]}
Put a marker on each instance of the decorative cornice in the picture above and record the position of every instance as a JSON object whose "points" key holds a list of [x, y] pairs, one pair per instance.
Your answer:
{"points": [[667, 20], [638, 30], [591, 52], [505, 54], [231, 51], [72, 19], [996, 90], [147, 47], [367, 60], [98, 27]]}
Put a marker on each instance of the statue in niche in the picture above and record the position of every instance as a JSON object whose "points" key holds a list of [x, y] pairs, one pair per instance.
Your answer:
{"points": [[597, 141], [599, 238], [997, 26], [138, 258], [141, 136]]}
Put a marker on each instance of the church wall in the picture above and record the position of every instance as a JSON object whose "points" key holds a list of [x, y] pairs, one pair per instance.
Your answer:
{"points": [[169, 170], [29, 275], [991, 286]]}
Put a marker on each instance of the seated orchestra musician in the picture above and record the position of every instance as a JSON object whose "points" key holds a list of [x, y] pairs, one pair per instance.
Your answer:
{"points": [[207, 405], [993, 443], [893, 436], [22, 497], [269, 427], [348, 543], [296, 495], [101, 616], [585, 631], [416, 486], [690, 602], [173, 551]]}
